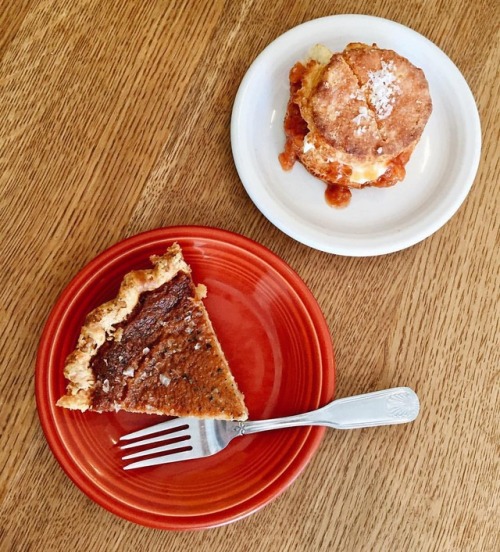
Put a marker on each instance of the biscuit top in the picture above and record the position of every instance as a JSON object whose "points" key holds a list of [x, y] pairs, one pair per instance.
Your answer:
{"points": [[365, 102]]}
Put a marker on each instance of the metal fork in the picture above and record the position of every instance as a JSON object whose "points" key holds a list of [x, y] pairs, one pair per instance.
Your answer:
{"points": [[190, 438]]}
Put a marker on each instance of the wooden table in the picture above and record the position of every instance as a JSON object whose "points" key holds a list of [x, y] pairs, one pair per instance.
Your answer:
{"points": [[114, 120]]}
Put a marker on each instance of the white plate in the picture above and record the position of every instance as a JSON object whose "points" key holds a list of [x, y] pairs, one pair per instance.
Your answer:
{"points": [[378, 220]]}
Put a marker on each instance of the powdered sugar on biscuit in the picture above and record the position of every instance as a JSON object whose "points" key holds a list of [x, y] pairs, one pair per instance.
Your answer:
{"points": [[361, 118], [383, 88]]}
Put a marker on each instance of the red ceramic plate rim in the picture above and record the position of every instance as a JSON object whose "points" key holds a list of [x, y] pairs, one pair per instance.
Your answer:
{"points": [[311, 436]]}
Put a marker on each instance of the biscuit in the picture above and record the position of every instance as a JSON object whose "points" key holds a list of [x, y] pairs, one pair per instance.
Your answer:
{"points": [[362, 112]]}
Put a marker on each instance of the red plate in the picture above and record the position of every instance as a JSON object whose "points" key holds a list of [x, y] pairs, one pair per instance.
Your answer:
{"points": [[280, 351]]}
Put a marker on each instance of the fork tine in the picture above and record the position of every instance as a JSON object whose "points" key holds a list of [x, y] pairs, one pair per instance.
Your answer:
{"points": [[157, 439], [201, 438], [162, 426], [166, 459], [164, 448]]}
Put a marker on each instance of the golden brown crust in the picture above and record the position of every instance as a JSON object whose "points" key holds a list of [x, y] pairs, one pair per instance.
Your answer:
{"points": [[363, 108], [105, 324]]}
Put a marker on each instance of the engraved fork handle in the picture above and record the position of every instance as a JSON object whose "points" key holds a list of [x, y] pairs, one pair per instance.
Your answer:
{"points": [[399, 405]]}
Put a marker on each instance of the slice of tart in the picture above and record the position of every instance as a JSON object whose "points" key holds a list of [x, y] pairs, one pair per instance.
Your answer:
{"points": [[153, 350]]}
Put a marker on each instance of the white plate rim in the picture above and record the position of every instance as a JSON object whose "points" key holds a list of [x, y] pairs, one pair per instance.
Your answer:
{"points": [[298, 229]]}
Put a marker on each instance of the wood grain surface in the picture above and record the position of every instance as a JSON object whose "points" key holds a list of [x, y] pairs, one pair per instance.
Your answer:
{"points": [[115, 119]]}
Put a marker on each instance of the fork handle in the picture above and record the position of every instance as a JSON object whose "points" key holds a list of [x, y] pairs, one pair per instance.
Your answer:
{"points": [[399, 405]]}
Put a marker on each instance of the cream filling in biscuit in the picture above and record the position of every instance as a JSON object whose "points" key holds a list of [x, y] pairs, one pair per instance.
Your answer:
{"points": [[360, 173], [367, 173]]}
